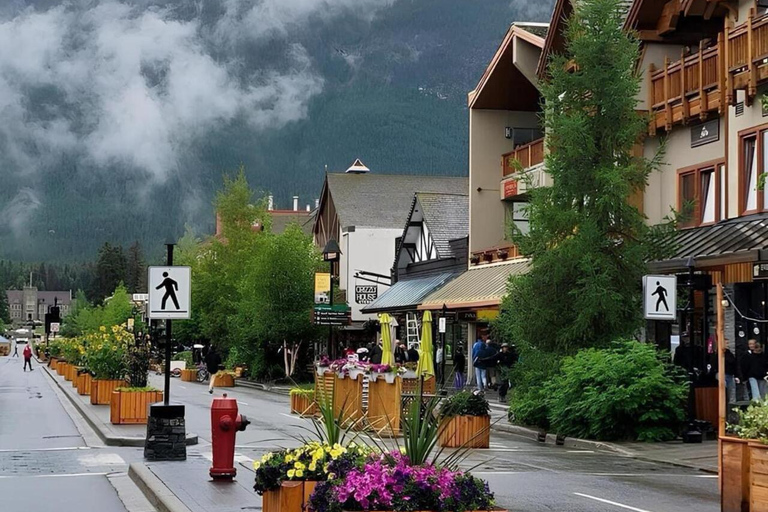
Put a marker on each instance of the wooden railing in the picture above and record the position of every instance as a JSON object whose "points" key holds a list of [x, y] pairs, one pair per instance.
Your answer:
{"points": [[523, 157], [707, 81]]}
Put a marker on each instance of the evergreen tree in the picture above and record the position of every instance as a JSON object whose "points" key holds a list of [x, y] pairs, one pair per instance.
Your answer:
{"points": [[110, 271], [136, 270], [5, 315], [588, 245]]}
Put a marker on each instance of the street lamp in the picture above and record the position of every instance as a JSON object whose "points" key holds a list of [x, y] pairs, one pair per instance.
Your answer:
{"points": [[331, 254], [692, 433], [442, 344]]}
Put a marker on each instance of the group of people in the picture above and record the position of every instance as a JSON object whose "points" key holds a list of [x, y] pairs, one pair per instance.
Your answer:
{"points": [[751, 369], [492, 363]]}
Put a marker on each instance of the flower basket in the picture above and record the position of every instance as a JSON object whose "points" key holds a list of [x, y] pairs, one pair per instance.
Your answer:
{"points": [[52, 362], [132, 407], [223, 380], [465, 432], [84, 383], [101, 390], [189, 375], [354, 373], [388, 377], [292, 496]]}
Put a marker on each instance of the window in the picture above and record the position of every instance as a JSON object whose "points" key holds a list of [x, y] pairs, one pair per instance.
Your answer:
{"points": [[749, 174], [753, 163], [701, 194], [517, 214]]}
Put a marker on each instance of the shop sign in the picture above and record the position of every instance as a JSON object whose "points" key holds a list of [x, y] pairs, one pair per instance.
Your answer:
{"points": [[487, 315], [366, 294], [467, 316], [760, 270], [322, 288], [705, 133], [510, 188]]}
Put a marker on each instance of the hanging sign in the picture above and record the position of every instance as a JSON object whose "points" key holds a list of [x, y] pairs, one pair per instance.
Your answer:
{"points": [[366, 294], [660, 297], [322, 288], [705, 133]]}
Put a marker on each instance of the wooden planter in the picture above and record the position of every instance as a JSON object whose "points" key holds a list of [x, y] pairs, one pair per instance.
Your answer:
{"points": [[290, 497], [758, 477], [189, 375], [60, 365], [52, 362], [132, 406], [348, 396], [303, 405], [72, 374], [466, 432], [84, 383], [735, 474], [223, 380], [384, 406], [411, 386], [101, 390]]}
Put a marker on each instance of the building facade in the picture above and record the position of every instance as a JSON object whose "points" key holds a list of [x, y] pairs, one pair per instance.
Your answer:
{"points": [[30, 304]]}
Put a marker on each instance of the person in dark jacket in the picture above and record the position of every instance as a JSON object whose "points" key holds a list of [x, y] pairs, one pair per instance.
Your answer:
{"points": [[401, 355], [212, 362], [376, 353], [413, 355], [505, 360], [754, 368], [732, 371], [459, 368]]}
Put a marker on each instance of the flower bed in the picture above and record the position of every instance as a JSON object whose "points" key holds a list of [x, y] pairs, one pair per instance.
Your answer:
{"points": [[465, 421]]}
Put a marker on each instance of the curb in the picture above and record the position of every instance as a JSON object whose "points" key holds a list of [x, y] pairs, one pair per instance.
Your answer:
{"points": [[278, 390], [154, 489], [96, 424]]}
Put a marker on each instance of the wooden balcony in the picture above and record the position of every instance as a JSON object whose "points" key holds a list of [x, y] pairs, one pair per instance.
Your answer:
{"points": [[523, 157], [696, 85]]}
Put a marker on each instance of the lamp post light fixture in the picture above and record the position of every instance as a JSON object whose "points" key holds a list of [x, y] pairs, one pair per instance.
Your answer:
{"points": [[331, 254]]}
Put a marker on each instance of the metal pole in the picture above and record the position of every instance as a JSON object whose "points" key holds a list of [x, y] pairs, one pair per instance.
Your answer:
{"points": [[692, 434], [331, 348], [168, 338]]}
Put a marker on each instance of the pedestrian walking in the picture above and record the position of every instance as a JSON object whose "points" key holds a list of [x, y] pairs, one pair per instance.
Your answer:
{"points": [[480, 356], [754, 368], [506, 360], [212, 362], [27, 358], [459, 368], [15, 349]]}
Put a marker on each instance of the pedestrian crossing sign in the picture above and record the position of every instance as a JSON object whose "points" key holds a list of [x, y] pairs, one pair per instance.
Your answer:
{"points": [[169, 293], [660, 297]]}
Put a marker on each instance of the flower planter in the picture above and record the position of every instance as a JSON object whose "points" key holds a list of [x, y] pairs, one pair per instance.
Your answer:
{"points": [[384, 406], [411, 386], [60, 366], [188, 375], [84, 383], [465, 432], [389, 377], [75, 374], [132, 406], [354, 373], [292, 496], [303, 405], [223, 380], [321, 370], [348, 399], [101, 390], [735, 474], [758, 477], [52, 362]]}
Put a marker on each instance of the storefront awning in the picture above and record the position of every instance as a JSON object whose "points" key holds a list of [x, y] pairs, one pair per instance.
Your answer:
{"points": [[478, 287], [733, 241], [406, 295]]}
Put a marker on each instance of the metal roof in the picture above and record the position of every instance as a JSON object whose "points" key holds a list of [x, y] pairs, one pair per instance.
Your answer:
{"points": [[741, 237], [484, 285], [408, 294], [384, 200]]}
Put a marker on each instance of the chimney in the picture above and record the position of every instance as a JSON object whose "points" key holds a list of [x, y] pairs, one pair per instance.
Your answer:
{"points": [[308, 209], [295, 203], [271, 203], [317, 203], [357, 167]]}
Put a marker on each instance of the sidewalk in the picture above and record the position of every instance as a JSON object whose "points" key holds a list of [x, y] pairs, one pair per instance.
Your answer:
{"points": [[97, 417]]}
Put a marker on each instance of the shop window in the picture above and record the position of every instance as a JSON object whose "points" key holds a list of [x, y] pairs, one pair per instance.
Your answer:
{"points": [[701, 194]]}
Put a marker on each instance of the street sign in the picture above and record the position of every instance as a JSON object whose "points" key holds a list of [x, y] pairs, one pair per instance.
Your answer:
{"points": [[169, 293], [338, 314], [441, 325], [55, 326], [140, 297], [660, 297]]}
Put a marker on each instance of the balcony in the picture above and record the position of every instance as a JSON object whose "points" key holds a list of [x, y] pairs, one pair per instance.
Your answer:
{"points": [[523, 157], [707, 81]]}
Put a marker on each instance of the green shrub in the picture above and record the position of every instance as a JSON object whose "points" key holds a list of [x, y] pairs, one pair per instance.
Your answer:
{"points": [[753, 423], [465, 403], [186, 356], [527, 404], [136, 389], [303, 391], [627, 391]]}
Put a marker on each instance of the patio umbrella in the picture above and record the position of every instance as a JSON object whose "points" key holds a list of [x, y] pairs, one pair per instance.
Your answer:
{"points": [[426, 364], [387, 356]]}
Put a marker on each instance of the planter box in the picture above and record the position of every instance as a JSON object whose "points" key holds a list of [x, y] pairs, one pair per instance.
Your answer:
{"points": [[84, 383], [758, 477], [189, 375], [411, 386], [303, 405], [60, 365], [290, 497], [75, 370], [101, 390], [466, 432], [735, 474], [348, 400], [132, 406], [384, 406], [225, 380], [52, 362]]}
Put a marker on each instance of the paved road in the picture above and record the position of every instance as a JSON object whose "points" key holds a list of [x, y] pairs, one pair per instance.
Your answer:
{"points": [[526, 476], [46, 464]]}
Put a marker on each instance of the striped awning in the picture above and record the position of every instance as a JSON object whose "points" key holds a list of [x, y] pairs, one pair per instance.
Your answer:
{"points": [[478, 287], [406, 295]]}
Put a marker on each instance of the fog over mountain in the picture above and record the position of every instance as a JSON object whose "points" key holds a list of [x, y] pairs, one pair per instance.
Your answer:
{"points": [[118, 118]]}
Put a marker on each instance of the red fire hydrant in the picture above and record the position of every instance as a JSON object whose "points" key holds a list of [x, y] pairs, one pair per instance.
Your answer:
{"points": [[225, 423]]}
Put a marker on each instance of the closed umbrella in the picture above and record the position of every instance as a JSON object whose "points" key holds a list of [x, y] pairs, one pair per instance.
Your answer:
{"points": [[387, 356], [426, 364]]}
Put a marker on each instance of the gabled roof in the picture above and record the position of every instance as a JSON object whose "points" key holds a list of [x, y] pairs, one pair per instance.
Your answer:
{"points": [[282, 218], [501, 71], [383, 200], [555, 42], [446, 217]]}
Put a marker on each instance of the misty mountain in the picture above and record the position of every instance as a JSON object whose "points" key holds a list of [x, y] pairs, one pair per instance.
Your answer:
{"points": [[118, 118]]}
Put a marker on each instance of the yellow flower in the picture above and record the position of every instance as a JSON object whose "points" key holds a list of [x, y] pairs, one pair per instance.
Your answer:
{"points": [[291, 473], [103, 329], [299, 466], [299, 473], [100, 347], [114, 348], [289, 458], [256, 465], [313, 466]]}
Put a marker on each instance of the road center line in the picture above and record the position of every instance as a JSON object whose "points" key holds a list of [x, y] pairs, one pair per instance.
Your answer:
{"points": [[609, 502]]}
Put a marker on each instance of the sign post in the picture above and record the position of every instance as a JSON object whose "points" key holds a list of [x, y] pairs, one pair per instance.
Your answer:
{"points": [[169, 299], [660, 297]]}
